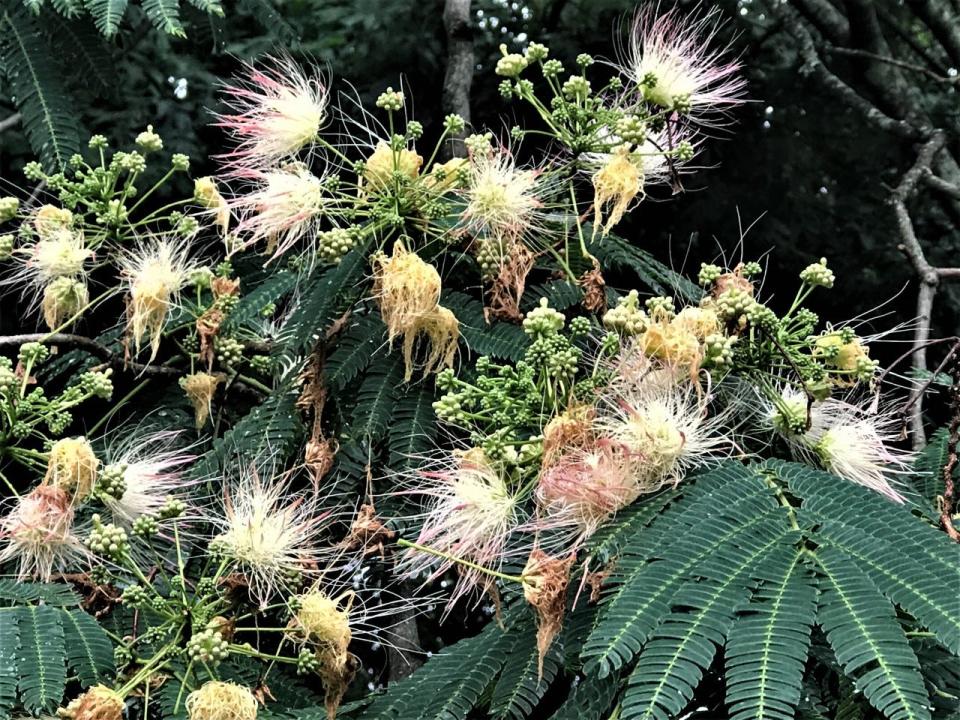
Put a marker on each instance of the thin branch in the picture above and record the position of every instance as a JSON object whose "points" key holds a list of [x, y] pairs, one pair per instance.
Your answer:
{"points": [[853, 52], [10, 121], [927, 274], [942, 24], [940, 185], [826, 18], [109, 357]]}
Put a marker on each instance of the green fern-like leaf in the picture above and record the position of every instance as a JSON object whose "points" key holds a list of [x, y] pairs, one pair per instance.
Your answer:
{"points": [[68, 8], [41, 669], [442, 689], [252, 303], [616, 252], [36, 81], [326, 293], [767, 646], [355, 349], [377, 398], [869, 643], [414, 426], [9, 652], [590, 700], [723, 505], [928, 468], [107, 15], [89, 650], [165, 16], [520, 688], [500, 339], [212, 7], [54, 594], [559, 293], [671, 664]]}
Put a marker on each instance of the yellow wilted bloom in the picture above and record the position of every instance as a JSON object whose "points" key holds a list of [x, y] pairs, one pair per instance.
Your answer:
{"points": [[217, 700], [72, 467], [199, 389], [698, 321], [97, 703], [62, 299], [615, 185], [321, 620], [156, 274], [444, 176], [671, 343], [442, 330], [206, 193], [50, 218], [409, 291], [381, 164], [848, 354]]}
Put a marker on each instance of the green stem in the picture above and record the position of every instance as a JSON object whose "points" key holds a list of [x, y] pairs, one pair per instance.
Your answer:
{"points": [[460, 561]]}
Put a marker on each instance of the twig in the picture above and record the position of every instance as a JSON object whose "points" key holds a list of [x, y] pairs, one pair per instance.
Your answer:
{"points": [[854, 52], [10, 121], [928, 275], [938, 183], [812, 64], [946, 511]]}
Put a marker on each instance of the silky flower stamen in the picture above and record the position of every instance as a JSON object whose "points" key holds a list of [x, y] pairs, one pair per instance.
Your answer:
{"points": [[38, 533], [471, 515], [670, 57], [284, 207], [843, 438], [217, 700], [269, 531], [277, 110], [503, 202], [156, 272]]}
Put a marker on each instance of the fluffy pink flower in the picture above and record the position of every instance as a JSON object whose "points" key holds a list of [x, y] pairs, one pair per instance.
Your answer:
{"points": [[277, 110], [674, 50], [470, 516], [586, 486], [38, 533]]}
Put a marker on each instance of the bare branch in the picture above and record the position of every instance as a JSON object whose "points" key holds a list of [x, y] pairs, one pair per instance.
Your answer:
{"points": [[829, 21], [853, 52], [80, 342], [942, 24], [939, 184], [812, 64], [929, 278]]}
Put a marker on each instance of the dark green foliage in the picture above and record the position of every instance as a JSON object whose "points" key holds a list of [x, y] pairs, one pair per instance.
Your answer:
{"points": [[750, 559], [355, 348], [40, 667], [413, 427], [497, 339], [36, 81]]}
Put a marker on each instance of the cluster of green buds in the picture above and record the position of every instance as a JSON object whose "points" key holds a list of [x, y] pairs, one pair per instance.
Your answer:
{"points": [[718, 351], [172, 508], [332, 245], [26, 409], [145, 527], [105, 188], [390, 100], [818, 275], [208, 646], [307, 662], [626, 318], [229, 350], [111, 481], [107, 539], [550, 350]]}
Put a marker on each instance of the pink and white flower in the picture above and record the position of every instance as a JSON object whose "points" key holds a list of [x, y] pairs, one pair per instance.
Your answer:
{"points": [[277, 109], [39, 535], [674, 53]]}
